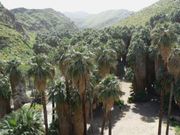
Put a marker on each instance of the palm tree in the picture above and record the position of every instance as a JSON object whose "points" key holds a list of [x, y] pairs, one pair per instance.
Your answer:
{"points": [[173, 68], [119, 47], [164, 35], [109, 92], [78, 71], [41, 71], [106, 60], [60, 98], [5, 94], [17, 82], [14, 74], [136, 58]]}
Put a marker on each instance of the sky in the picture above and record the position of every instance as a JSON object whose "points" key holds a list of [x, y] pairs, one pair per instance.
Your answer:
{"points": [[90, 6]]}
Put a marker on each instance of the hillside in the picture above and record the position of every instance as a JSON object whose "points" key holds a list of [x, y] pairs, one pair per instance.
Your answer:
{"points": [[100, 20], [12, 38], [8, 19], [43, 20], [143, 16]]}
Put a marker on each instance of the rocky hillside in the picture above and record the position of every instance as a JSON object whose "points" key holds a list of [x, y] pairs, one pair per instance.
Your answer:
{"points": [[13, 43], [8, 19], [43, 20], [143, 16], [100, 20], [18, 29]]}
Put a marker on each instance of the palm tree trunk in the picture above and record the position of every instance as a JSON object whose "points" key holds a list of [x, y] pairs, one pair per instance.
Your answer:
{"points": [[45, 112], [5, 107], [161, 112], [169, 108], [78, 125], [91, 113], [104, 121], [84, 114], [53, 104], [110, 124], [53, 108]]}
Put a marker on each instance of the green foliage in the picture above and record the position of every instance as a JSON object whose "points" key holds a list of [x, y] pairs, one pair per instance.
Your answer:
{"points": [[175, 16], [62, 95], [40, 68], [164, 34], [59, 92], [5, 91], [129, 76], [109, 88], [53, 129], [120, 104], [14, 46], [41, 48], [137, 50], [22, 122], [160, 18], [106, 57]]}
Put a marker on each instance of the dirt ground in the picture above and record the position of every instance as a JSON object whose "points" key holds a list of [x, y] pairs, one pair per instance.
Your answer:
{"points": [[133, 119]]}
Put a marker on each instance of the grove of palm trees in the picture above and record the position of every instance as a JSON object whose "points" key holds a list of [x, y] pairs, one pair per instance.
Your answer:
{"points": [[88, 81]]}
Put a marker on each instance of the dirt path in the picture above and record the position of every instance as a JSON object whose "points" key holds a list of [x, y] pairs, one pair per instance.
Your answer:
{"points": [[134, 119]]}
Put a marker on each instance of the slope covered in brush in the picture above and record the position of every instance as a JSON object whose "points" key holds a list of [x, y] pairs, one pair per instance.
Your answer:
{"points": [[143, 16]]}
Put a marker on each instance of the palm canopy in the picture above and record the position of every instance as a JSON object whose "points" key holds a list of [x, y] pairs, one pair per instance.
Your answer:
{"points": [[79, 67], [109, 91], [137, 51], [106, 59], [41, 71], [164, 34], [15, 74], [118, 46], [13, 68]]}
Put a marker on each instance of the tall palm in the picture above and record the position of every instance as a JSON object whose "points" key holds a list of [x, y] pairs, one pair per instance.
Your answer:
{"points": [[41, 71], [17, 82], [106, 60], [120, 48], [78, 71], [164, 36], [15, 74], [136, 58], [173, 68], [109, 92]]}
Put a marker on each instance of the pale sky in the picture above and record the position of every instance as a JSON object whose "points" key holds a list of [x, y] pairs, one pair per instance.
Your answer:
{"points": [[90, 6]]}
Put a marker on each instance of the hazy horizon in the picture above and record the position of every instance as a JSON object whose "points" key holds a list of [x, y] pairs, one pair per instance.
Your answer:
{"points": [[88, 6]]}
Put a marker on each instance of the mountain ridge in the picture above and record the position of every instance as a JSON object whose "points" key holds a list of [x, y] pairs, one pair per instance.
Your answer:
{"points": [[99, 20], [43, 20]]}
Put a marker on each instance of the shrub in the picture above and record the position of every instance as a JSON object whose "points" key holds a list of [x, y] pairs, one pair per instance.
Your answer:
{"points": [[22, 122]]}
